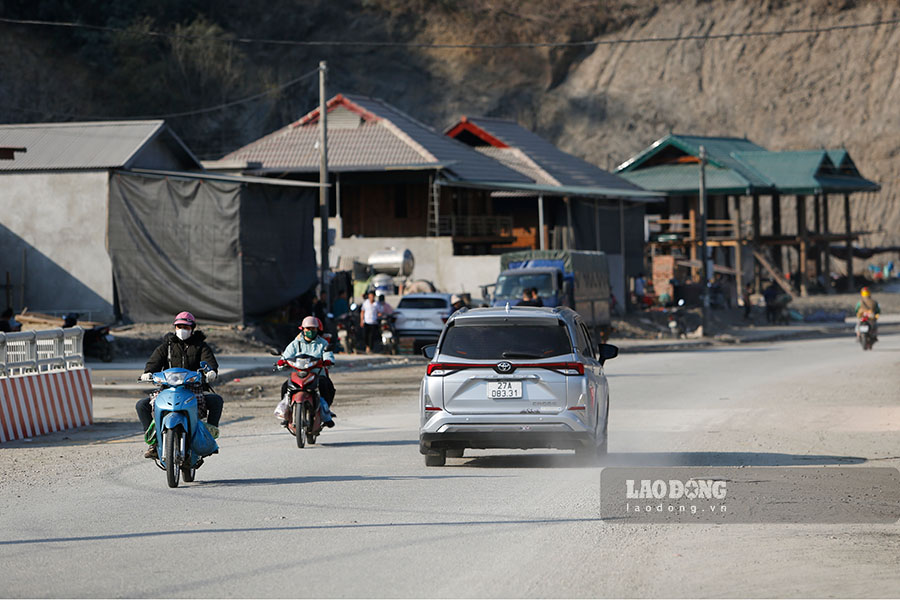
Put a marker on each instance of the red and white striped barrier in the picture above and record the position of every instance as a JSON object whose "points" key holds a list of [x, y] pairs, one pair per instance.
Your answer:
{"points": [[40, 403]]}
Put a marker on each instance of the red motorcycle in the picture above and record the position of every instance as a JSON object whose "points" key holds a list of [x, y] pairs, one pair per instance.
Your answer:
{"points": [[304, 415]]}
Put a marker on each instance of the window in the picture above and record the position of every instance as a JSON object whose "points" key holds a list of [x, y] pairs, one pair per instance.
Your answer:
{"points": [[583, 341], [510, 340]]}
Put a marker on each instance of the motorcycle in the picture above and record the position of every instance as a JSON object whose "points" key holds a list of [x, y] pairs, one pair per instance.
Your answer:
{"points": [[388, 333], [180, 433], [348, 332], [97, 341], [867, 330], [304, 412]]}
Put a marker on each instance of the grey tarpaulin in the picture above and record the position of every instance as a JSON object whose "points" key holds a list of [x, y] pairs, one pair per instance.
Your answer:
{"points": [[221, 250]]}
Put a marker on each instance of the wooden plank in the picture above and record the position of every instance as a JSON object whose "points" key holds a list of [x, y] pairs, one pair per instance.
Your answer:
{"points": [[777, 275]]}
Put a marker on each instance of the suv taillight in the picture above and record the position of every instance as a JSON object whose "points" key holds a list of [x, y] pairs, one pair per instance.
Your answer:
{"points": [[567, 368], [447, 368]]}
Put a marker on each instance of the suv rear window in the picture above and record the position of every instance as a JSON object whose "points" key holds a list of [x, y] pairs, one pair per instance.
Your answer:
{"points": [[416, 303], [507, 340]]}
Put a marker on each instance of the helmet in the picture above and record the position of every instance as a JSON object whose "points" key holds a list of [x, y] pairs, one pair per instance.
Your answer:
{"points": [[311, 321], [454, 299], [185, 318], [864, 292]]}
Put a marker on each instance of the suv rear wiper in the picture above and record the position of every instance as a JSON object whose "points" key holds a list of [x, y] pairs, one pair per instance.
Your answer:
{"points": [[520, 355]]}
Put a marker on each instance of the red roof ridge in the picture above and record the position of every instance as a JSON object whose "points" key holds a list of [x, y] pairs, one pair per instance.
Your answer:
{"points": [[465, 125], [338, 100]]}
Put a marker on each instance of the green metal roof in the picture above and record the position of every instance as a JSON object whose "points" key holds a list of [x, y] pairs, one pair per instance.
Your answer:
{"points": [[535, 189], [684, 180], [808, 171], [738, 166]]}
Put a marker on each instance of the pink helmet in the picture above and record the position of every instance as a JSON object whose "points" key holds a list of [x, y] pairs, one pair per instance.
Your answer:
{"points": [[311, 321], [185, 318]]}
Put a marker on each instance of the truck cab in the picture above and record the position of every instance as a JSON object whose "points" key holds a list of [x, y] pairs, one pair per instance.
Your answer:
{"points": [[551, 284]]}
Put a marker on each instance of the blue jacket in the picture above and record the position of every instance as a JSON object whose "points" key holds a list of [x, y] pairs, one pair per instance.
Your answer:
{"points": [[317, 348]]}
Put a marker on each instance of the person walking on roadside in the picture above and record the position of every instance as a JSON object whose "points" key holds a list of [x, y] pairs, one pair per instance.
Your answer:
{"points": [[769, 295], [368, 320]]}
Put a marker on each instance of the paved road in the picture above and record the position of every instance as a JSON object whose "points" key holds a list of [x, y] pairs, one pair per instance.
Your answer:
{"points": [[360, 514]]}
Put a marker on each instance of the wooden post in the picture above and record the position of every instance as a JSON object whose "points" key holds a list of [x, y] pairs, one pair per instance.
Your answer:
{"points": [[692, 217], [738, 256], [825, 231], [776, 229], [818, 230], [802, 233], [757, 283], [849, 231]]}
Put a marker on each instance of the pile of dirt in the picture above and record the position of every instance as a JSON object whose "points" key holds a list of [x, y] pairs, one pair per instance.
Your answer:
{"points": [[138, 340]]}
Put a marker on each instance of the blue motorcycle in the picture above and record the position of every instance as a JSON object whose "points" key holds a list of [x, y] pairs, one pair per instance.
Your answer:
{"points": [[183, 439]]}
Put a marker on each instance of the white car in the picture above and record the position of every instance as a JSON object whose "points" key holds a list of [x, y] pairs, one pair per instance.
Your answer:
{"points": [[422, 316]]}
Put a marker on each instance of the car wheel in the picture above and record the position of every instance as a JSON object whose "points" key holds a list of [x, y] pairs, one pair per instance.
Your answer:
{"points": [[436, 459]]}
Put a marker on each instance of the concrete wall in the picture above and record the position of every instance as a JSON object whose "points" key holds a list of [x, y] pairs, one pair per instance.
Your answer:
{"points": [[434, 261], [58, 220]]}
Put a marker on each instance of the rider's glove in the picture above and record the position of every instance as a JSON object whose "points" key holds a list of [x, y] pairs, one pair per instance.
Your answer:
{"points": [[281, 362], [146, 377], [327, 363], [211, 375]]}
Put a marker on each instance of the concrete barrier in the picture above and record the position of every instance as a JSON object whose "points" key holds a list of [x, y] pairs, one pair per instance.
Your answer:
{"points": [[44, 386]]}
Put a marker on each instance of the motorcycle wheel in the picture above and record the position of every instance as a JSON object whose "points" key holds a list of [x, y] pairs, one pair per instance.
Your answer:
{"points": [[310, 421], [172, 440], [299, 423]]}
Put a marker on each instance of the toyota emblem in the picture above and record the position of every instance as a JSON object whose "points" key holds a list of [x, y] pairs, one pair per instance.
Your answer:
{"points": [[504, 367]]}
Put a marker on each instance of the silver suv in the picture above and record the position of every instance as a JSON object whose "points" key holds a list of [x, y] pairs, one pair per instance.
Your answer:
{"points": [[521, 377]]}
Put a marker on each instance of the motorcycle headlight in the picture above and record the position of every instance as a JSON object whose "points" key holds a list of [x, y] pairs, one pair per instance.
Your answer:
{"points": [[174, 379]]}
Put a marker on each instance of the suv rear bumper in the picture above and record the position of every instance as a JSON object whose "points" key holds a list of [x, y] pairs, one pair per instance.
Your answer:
{"points": [[505, 431]]}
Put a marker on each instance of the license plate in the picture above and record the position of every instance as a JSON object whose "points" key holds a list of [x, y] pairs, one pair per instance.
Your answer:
{"points": [[864, 328], [504, 389]]}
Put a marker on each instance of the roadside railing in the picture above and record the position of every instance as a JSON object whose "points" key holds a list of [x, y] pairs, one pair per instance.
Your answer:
{"points": [[44, 351]]}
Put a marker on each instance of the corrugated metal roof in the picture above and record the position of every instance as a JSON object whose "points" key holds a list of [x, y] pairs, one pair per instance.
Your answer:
{"points": [[750, 168], [806, 171], [96, 145], [684, 179], [382, 138], [719, 150], [561, 167]]}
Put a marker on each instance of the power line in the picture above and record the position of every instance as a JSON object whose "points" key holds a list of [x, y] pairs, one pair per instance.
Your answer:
{"points": [[426, 45], [185, 113]]}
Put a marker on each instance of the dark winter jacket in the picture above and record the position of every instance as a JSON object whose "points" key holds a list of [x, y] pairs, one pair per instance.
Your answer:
{"points": [[187, 354]]}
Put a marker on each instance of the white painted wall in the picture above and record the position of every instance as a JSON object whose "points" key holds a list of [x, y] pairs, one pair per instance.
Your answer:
{"points": [[434, 261], [60, 220]]}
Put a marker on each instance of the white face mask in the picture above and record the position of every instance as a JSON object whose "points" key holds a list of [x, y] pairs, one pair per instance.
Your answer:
{"points": [[183, 334]]}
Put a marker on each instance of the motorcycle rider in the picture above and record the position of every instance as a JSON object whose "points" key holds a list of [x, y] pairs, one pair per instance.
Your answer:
{"points": [[186, 347], [868, 304], [309, 342]]}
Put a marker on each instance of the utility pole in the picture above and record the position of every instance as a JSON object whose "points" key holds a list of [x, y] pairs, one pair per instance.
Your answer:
{"points": [[704, 251], [323, 180]]}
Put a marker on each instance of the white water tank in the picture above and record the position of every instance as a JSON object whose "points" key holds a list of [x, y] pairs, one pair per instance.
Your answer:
{"points": [[392, 262]]}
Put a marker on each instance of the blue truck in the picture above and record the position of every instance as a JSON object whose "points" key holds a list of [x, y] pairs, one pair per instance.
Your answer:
{"points": [[574, 278]]}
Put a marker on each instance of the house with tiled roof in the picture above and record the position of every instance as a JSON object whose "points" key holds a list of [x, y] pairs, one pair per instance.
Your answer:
{"points": [[573, 203]]}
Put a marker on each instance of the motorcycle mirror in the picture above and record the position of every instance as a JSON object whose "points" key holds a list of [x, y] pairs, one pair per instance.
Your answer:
{"points": [[354, 306], [330, 315], [274, 352], [681, 302]]}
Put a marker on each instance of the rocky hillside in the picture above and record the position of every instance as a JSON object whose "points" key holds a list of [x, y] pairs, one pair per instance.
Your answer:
{"points": [[603, 102]]}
